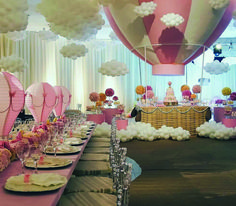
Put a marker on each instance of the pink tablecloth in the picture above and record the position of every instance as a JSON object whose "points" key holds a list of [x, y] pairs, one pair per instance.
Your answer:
{"points": [[109, 114], [35, 199], [97, 118], [219, 113]]}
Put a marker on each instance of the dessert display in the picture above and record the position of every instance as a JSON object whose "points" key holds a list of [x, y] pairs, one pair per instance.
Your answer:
{"points": [[170, 99]]}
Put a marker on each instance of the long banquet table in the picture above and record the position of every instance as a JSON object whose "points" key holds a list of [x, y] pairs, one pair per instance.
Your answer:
{"points": [[8, 198]]}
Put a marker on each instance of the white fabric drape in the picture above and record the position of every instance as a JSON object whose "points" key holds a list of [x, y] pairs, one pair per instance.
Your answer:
{"points": [[46, 64]]}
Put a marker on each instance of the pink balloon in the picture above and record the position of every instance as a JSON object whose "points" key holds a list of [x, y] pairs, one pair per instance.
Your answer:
{"points": [[12, 97], [174, 46], [40, 100], [63, 100]]}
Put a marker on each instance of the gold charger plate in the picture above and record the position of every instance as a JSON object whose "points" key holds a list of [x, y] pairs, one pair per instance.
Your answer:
{"points": [[37, 183], [73, 141], [49, 162], [64, 149]]}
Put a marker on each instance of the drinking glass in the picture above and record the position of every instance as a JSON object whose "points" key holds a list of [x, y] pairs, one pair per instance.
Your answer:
{"points": [[22, 152], [35, 154]]}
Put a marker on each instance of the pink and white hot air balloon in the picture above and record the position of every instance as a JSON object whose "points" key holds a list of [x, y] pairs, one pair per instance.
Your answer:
{"points": [[40, 100], [63, 100], [170, 44], [12, 100]]}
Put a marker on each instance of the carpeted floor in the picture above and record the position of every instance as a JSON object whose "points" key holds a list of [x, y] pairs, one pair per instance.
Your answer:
{"points": [[198, 172]]}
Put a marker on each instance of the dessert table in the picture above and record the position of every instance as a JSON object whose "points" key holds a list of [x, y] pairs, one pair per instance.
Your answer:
{"points": [[8, 198], [96, 118], [109, 114], [219, 113], [187, 117]]}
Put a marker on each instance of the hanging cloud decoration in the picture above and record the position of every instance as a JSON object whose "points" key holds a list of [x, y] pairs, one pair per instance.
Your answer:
{"points": [[13, 16], [219, 4], [47, 35], [16, 35], [13, 64], [215, 130], [72, 19], [217, 67], [73, 51], [113, 68], [172, 19], [145, 9]]}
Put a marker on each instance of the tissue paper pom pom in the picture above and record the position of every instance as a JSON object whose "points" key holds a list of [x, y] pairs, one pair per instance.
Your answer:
{"points": [[13, 64], [233, 96], [150, 94], [99, 103], [226, 91], [140, 89], [109, 92], [193, 96], [196, 89], [219, 4], [94, 96], [113, 68], [186, 93], [102, 97], [115, 98], [145, 9], [184, 87], [216, 67], [47, 35], [73, 51], [172, 19], [13, 16], [148, 88], [72, 19]]}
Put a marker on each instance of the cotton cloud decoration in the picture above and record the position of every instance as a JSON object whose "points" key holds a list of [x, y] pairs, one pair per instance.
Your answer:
{"points": [[172, 19], [215, 130], [145, 9], [73, 51], [12, 64], [16, 35], [72, 19], [113, 68], [102, 130], [13, 16], [47, 35], [217, 67], [219, 4]]}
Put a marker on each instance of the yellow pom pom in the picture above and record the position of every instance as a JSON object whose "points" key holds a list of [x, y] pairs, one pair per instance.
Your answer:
{"points": [[226, 91], [140, 89], [184, 87]]}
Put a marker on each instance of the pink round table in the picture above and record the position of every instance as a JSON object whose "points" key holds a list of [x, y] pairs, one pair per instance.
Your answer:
{"points": [[109, 114], [230, 123], [97, 118]]}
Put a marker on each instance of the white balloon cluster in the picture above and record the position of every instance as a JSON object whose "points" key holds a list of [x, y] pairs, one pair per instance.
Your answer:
{"points": [[73, 51], [47, 35], [219, 4], [215, 130], [16, 35], [13, 16], [144, 131], [73, 19], [172, 19], [217, 67], [12, 64], [102, 130], [145, 9], [113, 68]]}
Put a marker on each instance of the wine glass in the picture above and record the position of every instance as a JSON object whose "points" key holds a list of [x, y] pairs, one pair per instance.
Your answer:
{"points": [[22, 152], [35, 154]]}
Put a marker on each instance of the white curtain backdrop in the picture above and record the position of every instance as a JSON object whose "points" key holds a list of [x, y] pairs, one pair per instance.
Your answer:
{"points": [[46, 64]]}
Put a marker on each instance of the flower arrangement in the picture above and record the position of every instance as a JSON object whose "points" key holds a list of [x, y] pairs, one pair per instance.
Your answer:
{"points": [[102, 97], [150, 94], [109, 92], [148, 88], [5, 158], [121, 109], [219, 101], [196, 89], [184, 87], [99, 103], [193, 96], [94, 97], [140, 89], [186, 94], [226, 91], [115, 98]]}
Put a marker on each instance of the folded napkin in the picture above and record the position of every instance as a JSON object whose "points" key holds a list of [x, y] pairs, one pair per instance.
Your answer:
{"points": [[49, 161], [73, 140], [47, 179]]}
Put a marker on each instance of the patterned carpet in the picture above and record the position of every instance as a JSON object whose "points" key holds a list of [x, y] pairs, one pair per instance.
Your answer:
{"points": [[199, 172]]}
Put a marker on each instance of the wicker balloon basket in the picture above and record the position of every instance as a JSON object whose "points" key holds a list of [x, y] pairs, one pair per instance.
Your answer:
{"points": [[189, 118]]}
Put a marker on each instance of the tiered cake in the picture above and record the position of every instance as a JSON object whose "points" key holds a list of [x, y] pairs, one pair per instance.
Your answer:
{"points": [[170, 99]]}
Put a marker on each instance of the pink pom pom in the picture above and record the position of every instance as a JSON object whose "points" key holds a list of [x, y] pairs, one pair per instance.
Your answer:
{"points": [[150, 94], [94, 96], [196, 89], [109, 92]]}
